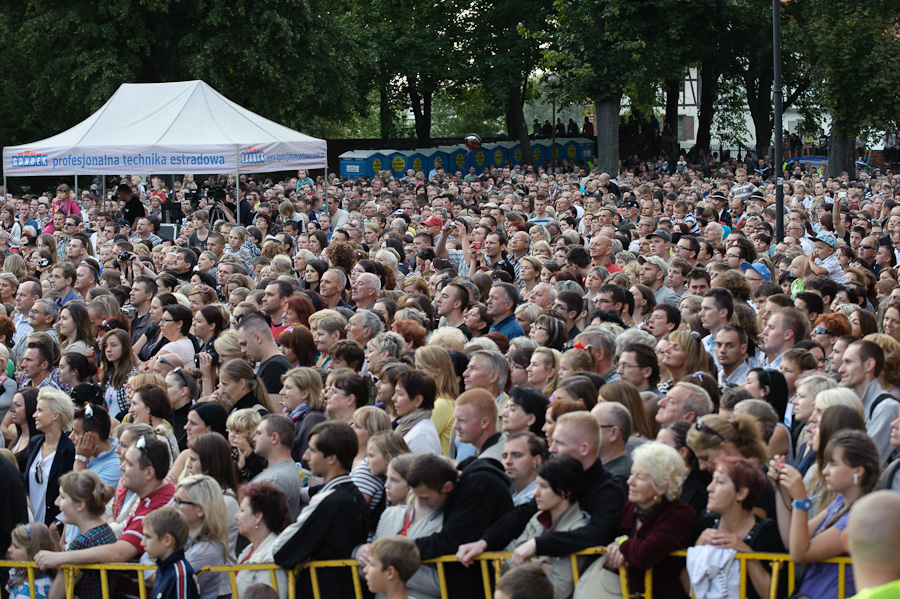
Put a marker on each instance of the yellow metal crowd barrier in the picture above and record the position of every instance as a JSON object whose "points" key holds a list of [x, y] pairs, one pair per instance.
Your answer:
{"points": [[486, 561]]}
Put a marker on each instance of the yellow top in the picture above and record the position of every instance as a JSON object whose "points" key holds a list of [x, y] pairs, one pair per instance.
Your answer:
{"points": [[442, 416]]}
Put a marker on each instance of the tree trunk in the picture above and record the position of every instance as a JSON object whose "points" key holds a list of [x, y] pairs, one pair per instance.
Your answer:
{"points": [[841, 150], [385, 116], [606, 118], [515, 122], [708, 83], [421, 107], [673, 91]]}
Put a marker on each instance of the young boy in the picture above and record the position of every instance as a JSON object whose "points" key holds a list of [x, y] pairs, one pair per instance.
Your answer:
{"points": [[392, 562], [165, 534], [525, 582], [742, 188], [824, 260]]}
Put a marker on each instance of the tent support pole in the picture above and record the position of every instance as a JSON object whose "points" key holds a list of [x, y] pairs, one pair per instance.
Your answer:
{"points": [[5, 189], [103, 199], [76, 188], [237, 185]]}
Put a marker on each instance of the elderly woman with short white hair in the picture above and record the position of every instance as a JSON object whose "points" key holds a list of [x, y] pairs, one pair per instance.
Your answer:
{"points": [[654, 522]]}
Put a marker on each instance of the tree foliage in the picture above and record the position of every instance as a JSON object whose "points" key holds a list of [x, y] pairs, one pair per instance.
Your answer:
{"points": [[851, 48], [280, 58]]}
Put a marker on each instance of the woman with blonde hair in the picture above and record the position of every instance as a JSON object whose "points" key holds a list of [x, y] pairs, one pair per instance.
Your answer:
{"points": [[576, 360], [625, 393], [890, 373], [199, 498], [229, 348], [541, 251], [15, 265], [543, 370], [527, 314], [435, 361], [529, 274], [368, 421], [201, 296], [50, 452], [713, 437], [654, 521], [303, 402], [684, 355]]}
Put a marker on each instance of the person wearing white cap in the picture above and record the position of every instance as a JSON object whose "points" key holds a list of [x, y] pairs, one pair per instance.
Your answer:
{"points": [[824, 260]]}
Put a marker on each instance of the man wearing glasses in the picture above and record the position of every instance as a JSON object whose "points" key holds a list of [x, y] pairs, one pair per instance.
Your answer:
{"points": [[867, 250]]}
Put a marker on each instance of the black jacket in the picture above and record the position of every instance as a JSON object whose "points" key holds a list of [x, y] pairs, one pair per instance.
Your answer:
{"points": [[63, 462], [481, 496], [603, 500], [15, 507], [336, 526]]}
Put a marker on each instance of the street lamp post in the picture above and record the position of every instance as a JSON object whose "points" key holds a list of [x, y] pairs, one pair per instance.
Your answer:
{"points": [[553, 81], [777, 134]]}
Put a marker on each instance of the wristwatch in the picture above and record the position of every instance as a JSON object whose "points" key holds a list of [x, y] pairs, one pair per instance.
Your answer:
{"points": [[802, 504], [81, 458]]}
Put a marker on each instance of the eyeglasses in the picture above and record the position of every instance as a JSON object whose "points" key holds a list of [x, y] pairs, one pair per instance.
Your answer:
{"points": [[162, 360], [181, 502], [708, 430], [39, 473], [332, 390], [166, 320], [863, 246], [822, 331]]}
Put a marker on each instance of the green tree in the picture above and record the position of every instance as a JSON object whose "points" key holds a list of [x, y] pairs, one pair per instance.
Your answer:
{"points": [[62, 61], [851, 48], [504, 46], [603, 45]]}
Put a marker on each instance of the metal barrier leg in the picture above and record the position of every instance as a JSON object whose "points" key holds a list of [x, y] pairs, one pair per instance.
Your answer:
{"points": [[442, 580], [773, 586], [484, 578], [357, 587], [314, 577]]}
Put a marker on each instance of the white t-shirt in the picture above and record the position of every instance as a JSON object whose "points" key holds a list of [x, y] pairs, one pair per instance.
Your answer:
{"points": [[37, 492]]}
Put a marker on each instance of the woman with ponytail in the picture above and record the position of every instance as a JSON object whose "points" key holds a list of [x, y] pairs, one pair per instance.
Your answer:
{"points": [[239, 387], [713, 436], [82, 502]]}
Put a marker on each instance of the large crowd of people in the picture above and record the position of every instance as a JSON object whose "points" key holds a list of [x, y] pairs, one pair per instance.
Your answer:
{"points": [[260, 371]]}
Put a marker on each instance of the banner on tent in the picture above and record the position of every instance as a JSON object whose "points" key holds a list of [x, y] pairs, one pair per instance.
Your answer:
{"points": [[29, 161]]}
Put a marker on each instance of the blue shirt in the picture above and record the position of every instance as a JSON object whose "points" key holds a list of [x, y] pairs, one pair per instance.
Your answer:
{"points": [[70, 297], [509, 327]]}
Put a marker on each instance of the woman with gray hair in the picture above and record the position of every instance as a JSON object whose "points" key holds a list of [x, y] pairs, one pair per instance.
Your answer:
{"points": [[653, 524]]}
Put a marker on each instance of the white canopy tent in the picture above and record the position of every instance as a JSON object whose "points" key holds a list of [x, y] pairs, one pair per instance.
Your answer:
{"points": [[167, 128]]}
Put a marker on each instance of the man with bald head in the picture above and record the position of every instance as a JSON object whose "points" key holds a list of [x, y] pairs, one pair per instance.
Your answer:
{"points": [[600, 251], [868, 247], [577, 436], [873, 538], [475, 415]]}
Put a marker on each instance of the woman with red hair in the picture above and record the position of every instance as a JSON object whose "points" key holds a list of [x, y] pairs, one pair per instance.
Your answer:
{"points": [[297, 310], [412, 332], [827, 329]]}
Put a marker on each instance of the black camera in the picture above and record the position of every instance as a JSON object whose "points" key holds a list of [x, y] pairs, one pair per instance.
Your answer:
{"points": [[43, 263], [124, 256]]}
